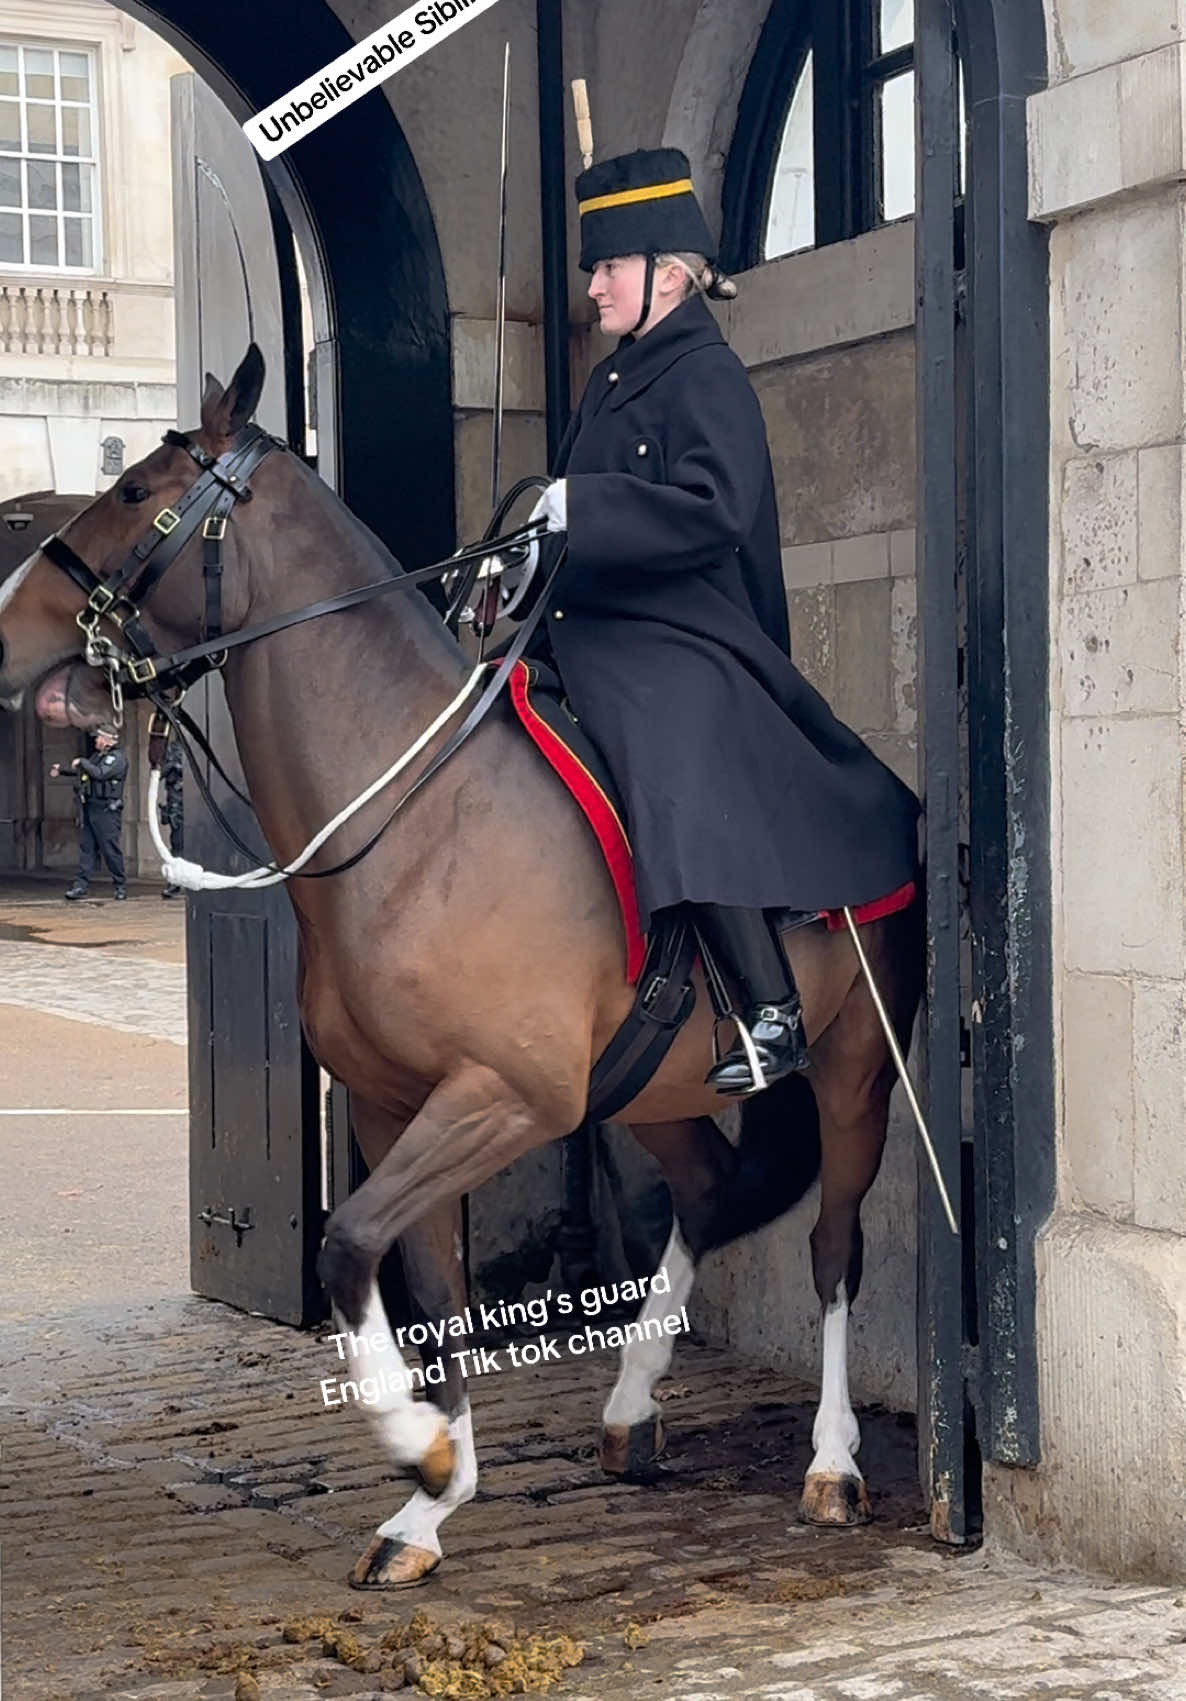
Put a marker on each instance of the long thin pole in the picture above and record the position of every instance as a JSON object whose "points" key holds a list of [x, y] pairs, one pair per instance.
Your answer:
{"points": [[900, 1064], [500, 312]]}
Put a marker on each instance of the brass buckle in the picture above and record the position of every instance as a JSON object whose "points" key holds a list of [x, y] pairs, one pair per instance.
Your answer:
{"points": [[141, 670], [100, 599], [214, 526], [166, 521], [121, 611]]}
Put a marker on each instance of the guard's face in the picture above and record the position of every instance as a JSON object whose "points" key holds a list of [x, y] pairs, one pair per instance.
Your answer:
{"points": [[616, 288]]}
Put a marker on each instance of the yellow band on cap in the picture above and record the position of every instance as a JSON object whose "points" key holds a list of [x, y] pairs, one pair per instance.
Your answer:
{"points": [[627, 197]]}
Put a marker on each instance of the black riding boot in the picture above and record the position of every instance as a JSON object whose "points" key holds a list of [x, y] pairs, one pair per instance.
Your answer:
{"points": [[750, 952]]}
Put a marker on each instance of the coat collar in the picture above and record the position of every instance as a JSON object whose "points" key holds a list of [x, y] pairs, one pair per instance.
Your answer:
{"points": [[638, 361]]}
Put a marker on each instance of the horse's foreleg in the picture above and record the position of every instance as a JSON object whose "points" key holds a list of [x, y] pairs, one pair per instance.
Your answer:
{"points": [[407, 1547], [695, 1158], [467, 1129], [852, 1078]]}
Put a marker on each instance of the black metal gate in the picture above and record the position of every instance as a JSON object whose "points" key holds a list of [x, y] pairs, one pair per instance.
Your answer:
{"points": [[983, 400], [255, 1162]]}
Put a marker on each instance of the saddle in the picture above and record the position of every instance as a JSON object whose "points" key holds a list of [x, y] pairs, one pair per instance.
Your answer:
{"points": [[660, 968]]}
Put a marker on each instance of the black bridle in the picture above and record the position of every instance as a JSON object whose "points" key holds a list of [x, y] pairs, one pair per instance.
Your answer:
{"points": [[141, 670]]}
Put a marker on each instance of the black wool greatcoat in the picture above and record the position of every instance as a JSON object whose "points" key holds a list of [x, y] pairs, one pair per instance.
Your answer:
{"points": [[668, 627]]}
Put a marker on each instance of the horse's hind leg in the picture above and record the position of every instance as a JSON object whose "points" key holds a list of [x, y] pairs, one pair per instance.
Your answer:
{"points": [[407, 1547], [852, 1077], [696, 1159]]}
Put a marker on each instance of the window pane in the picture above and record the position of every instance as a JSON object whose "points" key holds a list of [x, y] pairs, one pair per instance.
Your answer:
{"points": [[79, 251], [39, 74], [75, 72], [897, 24], [43, 183], [43, 240], [76, 130], [10, 126], [897, 147], [76, 188], [10, 182], [791, 224], [11, 247], [43, 129], [8, 71]]}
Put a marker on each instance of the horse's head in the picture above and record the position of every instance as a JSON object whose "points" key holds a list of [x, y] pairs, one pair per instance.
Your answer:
{"points": [[41, 643]]}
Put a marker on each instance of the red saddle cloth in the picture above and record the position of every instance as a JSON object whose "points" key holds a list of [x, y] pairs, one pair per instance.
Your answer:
{"points": [[572, 757]]}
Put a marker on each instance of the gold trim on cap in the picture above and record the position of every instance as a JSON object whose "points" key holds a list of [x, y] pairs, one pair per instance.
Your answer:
{"points": [[627, 197]]}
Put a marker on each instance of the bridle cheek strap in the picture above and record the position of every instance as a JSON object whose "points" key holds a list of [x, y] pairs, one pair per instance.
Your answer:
{"points": [[208, 503]]}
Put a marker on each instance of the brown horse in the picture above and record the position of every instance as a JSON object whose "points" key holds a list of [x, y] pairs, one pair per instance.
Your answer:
{"points": [[464, 1041]]}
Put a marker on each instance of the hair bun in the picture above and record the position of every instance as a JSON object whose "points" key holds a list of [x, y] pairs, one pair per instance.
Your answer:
{"points": [[718, 285]]}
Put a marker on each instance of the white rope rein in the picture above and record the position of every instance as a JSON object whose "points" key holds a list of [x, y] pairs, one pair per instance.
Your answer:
{"points": [[178, 871]]}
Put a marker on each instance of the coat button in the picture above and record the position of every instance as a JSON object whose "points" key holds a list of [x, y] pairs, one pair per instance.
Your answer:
{"points": [[557, 614], [613, 378], [642, 449]]}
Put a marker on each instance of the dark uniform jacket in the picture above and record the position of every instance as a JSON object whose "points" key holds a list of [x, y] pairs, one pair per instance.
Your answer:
{"points": [[102, 779], [668, 627]]}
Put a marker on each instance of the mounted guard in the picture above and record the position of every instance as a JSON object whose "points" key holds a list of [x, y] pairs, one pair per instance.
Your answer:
{"points": [[744, 795]]}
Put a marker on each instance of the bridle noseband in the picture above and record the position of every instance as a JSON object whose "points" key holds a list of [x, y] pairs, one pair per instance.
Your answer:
{"points": [[221, 483]]}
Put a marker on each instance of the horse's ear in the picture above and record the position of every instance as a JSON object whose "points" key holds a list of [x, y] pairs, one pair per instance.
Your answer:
{"points": [[224, 412], [244, 390]]}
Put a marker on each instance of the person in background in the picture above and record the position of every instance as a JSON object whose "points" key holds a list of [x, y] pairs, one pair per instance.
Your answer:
{"points": [[172, 809], [100, 781]]}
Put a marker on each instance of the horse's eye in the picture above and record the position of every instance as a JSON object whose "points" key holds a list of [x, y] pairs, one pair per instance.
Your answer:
{"points": [[133, 493]]}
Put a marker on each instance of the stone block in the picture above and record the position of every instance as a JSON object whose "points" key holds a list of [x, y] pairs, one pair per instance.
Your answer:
{"points": [[1098, 519], [474, 344], [857, 558], [1112, 1391], [1120, 650], [861, 695], [845, 293], [1159, 1081], [841, 428], [1085, 34], [904, 654], [1098, 1091], [1159, 508], [523, 451], [813, 636], [1115, 321], [1121, 846], [1074, 143], [805, 565], [903, 553]]}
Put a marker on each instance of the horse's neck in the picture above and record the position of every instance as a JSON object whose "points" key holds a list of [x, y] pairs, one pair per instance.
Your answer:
{"points": [[322, 709]]}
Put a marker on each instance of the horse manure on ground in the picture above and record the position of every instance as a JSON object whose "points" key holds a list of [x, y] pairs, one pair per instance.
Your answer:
{"points": [[471, 1661]]}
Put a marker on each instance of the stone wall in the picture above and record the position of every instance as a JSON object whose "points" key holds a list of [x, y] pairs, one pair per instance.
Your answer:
{"points": [[1112, 1260]]}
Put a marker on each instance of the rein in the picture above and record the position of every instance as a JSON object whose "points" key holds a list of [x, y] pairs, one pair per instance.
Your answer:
{"points": [[140, 670]]}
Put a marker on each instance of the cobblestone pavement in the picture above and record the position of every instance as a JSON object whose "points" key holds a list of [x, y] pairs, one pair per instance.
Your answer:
{"points": [[172, 1489]]}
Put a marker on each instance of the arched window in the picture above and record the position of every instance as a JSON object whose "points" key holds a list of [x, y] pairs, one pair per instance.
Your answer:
{"points": [[824, 145]]}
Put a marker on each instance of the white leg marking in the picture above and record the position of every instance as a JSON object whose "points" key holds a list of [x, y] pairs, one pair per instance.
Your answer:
{"points": [[419, 1519], [644, 1362], [406, 1427], [836, 1434], [15, 580]]}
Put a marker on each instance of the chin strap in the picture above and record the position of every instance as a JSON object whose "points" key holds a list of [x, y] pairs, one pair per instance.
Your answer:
{"points": [[648, 290]]}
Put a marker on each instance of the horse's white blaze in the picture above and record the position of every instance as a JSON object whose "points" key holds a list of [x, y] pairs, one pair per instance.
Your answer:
{"points": [[406, 1427], [419, 1519], [644, 1362], [14, 581], [836, 1434]]}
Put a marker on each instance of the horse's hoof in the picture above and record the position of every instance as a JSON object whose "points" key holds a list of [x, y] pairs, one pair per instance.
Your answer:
{"points": [[435, 1467], [829, 1498], [631, 1449], [392, 1564]]}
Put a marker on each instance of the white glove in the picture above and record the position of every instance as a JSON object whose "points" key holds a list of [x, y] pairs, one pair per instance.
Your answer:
{"points": [[553, 506]]}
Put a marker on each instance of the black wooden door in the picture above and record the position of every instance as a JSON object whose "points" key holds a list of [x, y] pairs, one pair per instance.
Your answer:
{"points": [[255, 1153]]}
